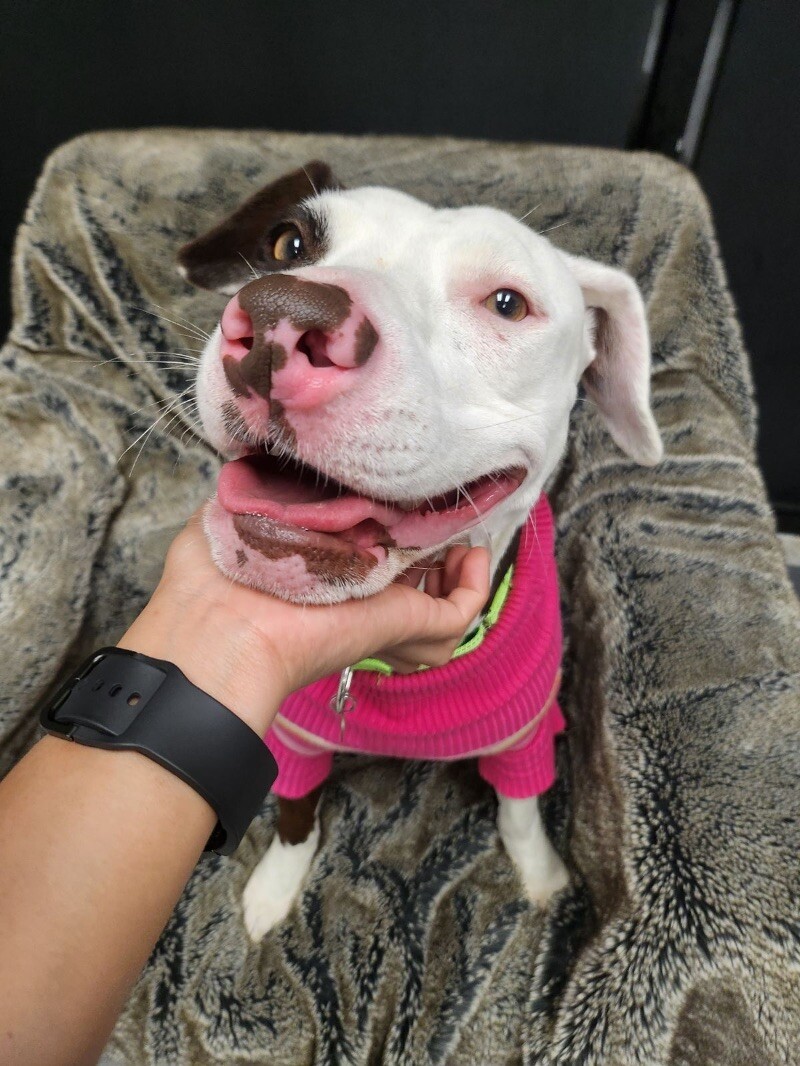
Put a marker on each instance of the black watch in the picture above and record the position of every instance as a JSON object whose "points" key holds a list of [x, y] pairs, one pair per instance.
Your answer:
{"points": [[119, 699]]}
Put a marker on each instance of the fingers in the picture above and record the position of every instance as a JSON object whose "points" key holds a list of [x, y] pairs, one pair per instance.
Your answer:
{"points": [[408, 658], [436, 626], [398, 665], [411, 577], [451, 573], [427, 570], [440, 577], [196, 517], [190, 536], [469, 578]]}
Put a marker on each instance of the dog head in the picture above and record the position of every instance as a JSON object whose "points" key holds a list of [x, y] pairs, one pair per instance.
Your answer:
{"points": [[389, 378]]}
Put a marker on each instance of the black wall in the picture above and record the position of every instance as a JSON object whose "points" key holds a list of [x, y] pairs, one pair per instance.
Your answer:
{"points": [[749, 165], [553, 70]]}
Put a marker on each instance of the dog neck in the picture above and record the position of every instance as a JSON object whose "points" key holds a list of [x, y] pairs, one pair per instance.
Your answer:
{"points": [[505, 561]]}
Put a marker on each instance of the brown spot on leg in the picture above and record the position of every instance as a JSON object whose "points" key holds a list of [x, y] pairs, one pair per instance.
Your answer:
{"points": [[366, 339], [296, 817], [241, 558]]}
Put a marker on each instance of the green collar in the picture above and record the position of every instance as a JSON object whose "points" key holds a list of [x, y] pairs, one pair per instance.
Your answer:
{"points": [[469, 643]]}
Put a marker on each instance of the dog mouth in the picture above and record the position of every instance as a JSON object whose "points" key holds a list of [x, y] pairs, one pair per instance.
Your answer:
{"points": [[288, 500]]}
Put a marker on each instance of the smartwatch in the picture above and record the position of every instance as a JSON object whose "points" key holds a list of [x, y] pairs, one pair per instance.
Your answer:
{"points": [[125, 701]]}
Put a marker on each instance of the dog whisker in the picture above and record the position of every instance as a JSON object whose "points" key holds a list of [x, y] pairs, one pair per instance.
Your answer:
{"points": [[144, 439], [505, 422], [311, 182], [536, 208], [187, 323], [173, 403], [180, 358], [250, 266], [480, 516], [550, 229], [161, 400], [194, 330]]}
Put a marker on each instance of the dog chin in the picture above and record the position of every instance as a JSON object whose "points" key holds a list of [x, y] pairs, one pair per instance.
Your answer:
{"points": [[280, 561]]}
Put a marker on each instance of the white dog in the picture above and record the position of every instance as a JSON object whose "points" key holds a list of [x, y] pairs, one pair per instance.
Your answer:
{"points": [[387, 380]]}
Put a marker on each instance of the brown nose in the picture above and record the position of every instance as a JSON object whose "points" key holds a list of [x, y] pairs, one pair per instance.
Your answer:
{"points": [[305, 304], [303, 333]]}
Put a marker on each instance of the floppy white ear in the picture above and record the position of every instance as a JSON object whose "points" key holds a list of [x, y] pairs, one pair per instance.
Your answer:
{"points": [[618, 377]]}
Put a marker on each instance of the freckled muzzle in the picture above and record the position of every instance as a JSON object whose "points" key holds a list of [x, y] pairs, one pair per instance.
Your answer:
{"points": [[295, 342]]}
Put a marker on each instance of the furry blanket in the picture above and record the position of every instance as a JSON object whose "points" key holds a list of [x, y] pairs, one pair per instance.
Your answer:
{"points": [[677, 803]]}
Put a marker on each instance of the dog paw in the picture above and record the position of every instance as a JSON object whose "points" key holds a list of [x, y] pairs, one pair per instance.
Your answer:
{"points": [[276, 883], [542, 881], [262, 910], [539, 865]]}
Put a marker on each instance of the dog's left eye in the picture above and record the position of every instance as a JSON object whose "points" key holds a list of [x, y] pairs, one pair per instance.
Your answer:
{"points": [[288, 244], [508, 304]]}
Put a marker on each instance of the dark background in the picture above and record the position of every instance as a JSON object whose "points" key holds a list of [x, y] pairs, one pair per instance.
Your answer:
{"points": [[714, 83]]}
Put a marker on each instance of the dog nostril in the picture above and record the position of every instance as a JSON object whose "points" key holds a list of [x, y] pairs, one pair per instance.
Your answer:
{"points": [[237, 326], [314, 346]]}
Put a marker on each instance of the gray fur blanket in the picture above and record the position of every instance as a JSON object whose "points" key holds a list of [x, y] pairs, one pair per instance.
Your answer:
{"points": [[677, 804]]}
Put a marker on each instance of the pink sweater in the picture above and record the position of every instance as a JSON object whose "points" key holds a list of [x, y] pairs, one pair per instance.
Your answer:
{"points": [[496, 703]]}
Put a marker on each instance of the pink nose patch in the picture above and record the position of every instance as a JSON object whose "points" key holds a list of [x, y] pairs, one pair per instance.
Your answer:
{"points": [[299, 342]]}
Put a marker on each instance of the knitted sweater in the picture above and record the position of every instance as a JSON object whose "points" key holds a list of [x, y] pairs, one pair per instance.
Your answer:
{"points": [[497, 702]]}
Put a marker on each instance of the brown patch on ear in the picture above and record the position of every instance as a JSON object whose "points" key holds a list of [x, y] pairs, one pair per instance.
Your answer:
{"points": [[216, 260]]}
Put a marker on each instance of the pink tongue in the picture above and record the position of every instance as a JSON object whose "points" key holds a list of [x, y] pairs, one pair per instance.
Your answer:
{"points": [[260, 487], [250, 487]]}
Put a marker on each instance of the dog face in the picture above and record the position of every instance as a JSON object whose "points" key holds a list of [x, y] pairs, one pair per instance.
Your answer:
{"points": [[389, 379]]}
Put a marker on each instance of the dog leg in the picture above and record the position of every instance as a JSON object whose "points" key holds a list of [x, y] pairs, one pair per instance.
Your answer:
{"points": [[540, 867], [278, 879]]}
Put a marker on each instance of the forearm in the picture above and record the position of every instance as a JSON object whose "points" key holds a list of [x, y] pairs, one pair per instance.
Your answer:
{"points": [[96, 846], [95, 849]]}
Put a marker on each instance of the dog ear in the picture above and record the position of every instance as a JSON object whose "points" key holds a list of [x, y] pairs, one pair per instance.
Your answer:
{"points": [[220, 259], [618, 376]]}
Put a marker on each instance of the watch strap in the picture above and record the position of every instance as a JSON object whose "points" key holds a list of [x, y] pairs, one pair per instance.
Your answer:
{"points": [[122, 700]]}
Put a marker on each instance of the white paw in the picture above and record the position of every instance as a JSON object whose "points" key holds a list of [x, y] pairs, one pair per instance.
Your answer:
{"points": [[276, 883], [537, 861], [545, 879]]}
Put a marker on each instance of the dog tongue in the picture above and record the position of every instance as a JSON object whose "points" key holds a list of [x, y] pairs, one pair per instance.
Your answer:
{"points": [[294, 496], [253, 486]]}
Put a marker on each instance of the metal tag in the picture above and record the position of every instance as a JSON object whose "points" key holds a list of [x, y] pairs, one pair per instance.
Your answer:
{"points": [[342, 702]]}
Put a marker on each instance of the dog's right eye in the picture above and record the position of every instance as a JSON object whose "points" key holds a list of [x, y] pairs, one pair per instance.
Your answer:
{"points": [[507, 303], [287, 243]]}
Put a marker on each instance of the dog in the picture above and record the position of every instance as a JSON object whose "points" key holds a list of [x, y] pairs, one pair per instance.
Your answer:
{"points": [[389, 379]]}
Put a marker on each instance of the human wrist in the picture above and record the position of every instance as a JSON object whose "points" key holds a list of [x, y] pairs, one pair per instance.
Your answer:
{"points": [[222, 658]]}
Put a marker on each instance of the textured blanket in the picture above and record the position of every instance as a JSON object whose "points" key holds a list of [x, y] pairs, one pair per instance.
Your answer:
{"points": [[677, 805]]}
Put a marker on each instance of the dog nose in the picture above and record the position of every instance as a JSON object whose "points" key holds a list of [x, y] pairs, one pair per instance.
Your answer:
{"points": [[294, 340]]}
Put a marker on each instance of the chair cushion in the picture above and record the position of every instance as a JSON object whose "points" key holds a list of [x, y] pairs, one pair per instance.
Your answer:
{"points": [[677, 801]]}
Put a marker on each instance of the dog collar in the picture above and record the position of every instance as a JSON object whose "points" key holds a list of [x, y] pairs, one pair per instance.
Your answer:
{"points": [[469, 643]]}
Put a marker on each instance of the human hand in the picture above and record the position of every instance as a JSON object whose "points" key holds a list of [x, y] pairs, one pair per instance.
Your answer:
{"points": [[249, 650]]}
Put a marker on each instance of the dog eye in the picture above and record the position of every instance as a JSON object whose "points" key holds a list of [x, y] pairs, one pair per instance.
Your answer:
{"points": [[508, 304], [288, 244]]}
